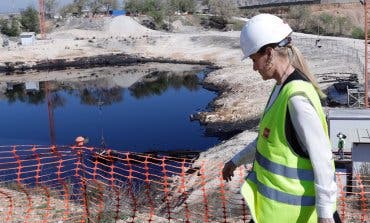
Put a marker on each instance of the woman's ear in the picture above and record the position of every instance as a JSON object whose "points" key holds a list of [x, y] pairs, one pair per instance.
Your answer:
{"points": [[270, 57], [269, 52]]}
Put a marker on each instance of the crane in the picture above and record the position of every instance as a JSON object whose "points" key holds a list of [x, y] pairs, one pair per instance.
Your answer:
{"points": [[42, 18], [49, 102]]}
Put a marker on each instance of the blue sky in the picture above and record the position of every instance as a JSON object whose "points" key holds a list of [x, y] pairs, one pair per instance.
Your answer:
{"points": [[16, 5]]}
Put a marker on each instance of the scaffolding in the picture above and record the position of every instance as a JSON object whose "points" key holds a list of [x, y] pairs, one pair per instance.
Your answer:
{"points": [[360, 97], [355, 98]]}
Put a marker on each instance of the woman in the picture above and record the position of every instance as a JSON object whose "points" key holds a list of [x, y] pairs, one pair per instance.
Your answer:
{"points": [[293, 172]]}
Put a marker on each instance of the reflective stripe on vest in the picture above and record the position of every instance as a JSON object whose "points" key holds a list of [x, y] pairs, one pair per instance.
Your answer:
{"points": [[285, 171], [279, 195]]}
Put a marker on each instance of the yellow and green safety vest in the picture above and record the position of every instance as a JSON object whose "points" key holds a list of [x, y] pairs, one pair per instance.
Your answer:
{"points": [[280, 188]]}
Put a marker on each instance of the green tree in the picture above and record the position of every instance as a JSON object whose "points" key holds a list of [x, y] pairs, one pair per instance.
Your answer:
{"points": [[14, 27], [156, 9], [205, 2], [79, 5], [69, 8], [50, 7], [11, 29], [225, 9], [144, 6], [112, 4], [326, 22], [302, 17], [30, 20], [343, 25], [96, 5], [4, 27], [183, 5], [358, 33], [134, 6]]}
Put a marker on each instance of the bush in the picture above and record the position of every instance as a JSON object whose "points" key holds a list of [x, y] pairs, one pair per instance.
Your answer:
{"points": [[214, 22], [343, 24], [358, 33], [183, 5], [237, 24], [303, 20], [221, 8], [11, 29], [154, 9], [157, 16], [301, 16]]}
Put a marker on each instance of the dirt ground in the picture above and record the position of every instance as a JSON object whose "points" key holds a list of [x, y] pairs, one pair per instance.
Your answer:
{"points": [[242, 93]]}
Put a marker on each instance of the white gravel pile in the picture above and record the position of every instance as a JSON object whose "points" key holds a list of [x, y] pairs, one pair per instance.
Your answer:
{"points": [[127, 26]]}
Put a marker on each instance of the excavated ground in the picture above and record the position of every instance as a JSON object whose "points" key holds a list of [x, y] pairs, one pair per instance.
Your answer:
{"points": [[241, 92]]}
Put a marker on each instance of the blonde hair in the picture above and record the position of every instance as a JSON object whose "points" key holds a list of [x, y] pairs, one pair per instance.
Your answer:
{"points": [[297, 60]]}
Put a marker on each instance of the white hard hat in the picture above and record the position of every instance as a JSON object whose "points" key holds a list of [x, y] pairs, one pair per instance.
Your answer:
{"points": [[261, 30], [79, 139]]}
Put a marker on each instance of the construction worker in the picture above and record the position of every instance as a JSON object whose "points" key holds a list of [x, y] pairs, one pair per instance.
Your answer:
{"points": [[292, 180], [341, 143]]}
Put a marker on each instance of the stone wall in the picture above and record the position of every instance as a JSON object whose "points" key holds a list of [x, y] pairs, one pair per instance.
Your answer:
{"points": [[339, 1], [250, 3]]}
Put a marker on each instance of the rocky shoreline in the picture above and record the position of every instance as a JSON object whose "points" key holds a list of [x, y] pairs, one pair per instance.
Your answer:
{"points": [[105, 60], [241, 93]]}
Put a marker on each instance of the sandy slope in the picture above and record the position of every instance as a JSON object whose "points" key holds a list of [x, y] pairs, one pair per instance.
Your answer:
{"points": [[242, 92]]}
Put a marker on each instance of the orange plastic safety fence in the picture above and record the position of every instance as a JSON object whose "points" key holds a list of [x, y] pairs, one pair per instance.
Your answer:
{"points": [[354, 197], [80, 184], [35, 184]]}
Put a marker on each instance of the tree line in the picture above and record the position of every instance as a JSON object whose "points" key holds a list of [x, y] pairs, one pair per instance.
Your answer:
{"points": [[28, 21], [163, 12]]}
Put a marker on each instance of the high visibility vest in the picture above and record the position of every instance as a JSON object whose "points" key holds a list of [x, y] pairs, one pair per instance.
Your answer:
{"points": [[341, 144], [280, 188]]}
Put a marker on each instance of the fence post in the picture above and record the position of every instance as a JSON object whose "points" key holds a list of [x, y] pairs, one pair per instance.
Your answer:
{"points": [[19, 182], [203, 177], [83, 188], [222, 191], [184, 192]]}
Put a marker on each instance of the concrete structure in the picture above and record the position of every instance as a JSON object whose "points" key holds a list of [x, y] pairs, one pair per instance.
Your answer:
{"points": [[32, 86], [355, 124], [27, 38], [349, 122], [361, 151], [338, 1], [268, 3]]}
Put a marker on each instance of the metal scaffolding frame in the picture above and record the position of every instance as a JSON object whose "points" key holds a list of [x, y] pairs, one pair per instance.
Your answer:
{"points": [[355, 98], [360, 97]]}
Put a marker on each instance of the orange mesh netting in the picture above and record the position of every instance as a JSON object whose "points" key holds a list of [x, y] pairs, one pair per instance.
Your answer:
{"points": [[74, 184]]}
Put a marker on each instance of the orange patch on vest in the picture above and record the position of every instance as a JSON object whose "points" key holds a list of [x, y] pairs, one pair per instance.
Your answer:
{"points": [[266, 132]]}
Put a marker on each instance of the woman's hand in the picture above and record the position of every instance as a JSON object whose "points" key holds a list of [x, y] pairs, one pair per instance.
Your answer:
{"points": [[228, 171], [326, 220]]}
